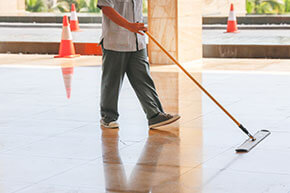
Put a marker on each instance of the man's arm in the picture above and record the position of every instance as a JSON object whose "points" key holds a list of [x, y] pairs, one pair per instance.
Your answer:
{"points": [[112, 14]]}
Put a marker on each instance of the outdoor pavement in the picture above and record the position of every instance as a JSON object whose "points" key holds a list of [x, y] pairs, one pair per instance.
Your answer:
{"points": [[247, 37], [91, 33], [49, 34], [50, 143]]}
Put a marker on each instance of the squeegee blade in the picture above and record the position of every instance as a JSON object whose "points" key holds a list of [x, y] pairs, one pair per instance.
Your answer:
{"points": [[250, 144]]}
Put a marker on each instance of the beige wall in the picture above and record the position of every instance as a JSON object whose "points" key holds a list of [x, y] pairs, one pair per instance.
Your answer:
{"points": [[20, 5], [222, 7], [12, 7]]}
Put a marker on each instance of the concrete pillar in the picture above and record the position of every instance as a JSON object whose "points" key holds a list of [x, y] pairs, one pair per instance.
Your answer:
{"points": [[177, 24], [12, 7]]}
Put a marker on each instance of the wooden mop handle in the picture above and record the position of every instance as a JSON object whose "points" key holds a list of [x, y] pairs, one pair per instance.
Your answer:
{"points": [[189, 75]]}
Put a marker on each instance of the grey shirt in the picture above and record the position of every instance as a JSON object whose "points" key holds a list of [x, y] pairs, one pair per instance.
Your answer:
{"points": [[117, 38]]}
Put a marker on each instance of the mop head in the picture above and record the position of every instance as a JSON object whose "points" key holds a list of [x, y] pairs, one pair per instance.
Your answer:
{"points": [[250, 144]]}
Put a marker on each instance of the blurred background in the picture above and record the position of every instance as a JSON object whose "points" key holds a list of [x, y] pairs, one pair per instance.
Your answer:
{"points": [[90, 6], [56, 6]]}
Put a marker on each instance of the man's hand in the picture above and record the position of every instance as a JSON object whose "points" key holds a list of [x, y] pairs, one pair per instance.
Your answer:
{"points": [[137, 28], [121, 21]]}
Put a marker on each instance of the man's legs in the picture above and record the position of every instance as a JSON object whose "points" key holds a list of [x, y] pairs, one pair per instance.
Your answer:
{"points": [[139, 76], [114, 67]]}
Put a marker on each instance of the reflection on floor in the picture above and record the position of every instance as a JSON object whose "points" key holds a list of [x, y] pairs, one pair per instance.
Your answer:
{"points": [[51, 140]]}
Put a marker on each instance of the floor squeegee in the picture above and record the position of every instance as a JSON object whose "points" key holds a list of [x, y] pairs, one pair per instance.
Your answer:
{"points": [[253, 140]]}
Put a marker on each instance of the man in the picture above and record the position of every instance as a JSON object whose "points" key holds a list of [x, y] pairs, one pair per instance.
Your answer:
{"points": [[124, 51]]}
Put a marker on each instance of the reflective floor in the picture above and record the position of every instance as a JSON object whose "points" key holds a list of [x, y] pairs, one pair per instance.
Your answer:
{"points": [[51, 140]]}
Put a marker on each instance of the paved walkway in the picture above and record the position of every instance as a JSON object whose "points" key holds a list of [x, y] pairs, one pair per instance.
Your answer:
{"points": [[28, 34], [92, 33], [251, 37]]}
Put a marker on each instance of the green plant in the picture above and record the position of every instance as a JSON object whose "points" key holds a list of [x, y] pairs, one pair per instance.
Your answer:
{"points": [[65, 5], [92, 7], [35, 5], [287, 6], [250, 6], [265, 6], [145, 6]]}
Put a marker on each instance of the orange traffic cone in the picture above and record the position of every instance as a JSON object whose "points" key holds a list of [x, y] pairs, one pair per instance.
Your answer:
{"points": [[232, 21], [74, 22], [67, 73], [66, 48]]}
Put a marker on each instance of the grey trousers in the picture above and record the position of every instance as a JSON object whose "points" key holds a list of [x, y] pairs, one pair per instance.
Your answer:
{"points": [[136, 67]]}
